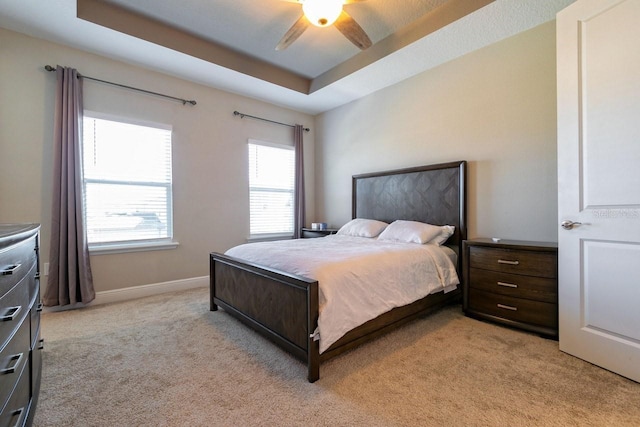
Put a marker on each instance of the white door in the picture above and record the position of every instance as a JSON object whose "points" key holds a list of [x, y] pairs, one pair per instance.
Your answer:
{"points": [[598, 55]]}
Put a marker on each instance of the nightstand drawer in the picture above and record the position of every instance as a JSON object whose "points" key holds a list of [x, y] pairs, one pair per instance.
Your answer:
{"points": [[516, 309], [515, 285], [530, 263]]}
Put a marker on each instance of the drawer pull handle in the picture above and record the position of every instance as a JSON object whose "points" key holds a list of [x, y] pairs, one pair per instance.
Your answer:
{"points": [[504, 261], [14, 362], [11, 313], [17, 413], [40, 343], [507, 285], [508, 307], [11, 269], [39, 307]]}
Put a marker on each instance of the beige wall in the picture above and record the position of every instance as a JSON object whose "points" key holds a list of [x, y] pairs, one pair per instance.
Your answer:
{"points": [[495, 108], [209, 162]]}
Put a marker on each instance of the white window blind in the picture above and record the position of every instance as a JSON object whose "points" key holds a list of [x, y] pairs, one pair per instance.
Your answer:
{"points": [[127, 181], [271, 185]]}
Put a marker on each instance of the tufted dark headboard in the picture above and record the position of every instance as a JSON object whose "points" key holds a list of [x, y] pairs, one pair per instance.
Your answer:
{"points": [[435, 194]]}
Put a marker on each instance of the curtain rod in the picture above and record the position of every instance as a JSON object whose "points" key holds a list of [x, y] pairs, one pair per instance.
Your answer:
{"points": [[242, 116], [184, 101]]}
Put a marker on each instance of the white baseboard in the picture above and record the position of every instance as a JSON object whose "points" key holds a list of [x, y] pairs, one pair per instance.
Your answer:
{"points": [[133, 292]]}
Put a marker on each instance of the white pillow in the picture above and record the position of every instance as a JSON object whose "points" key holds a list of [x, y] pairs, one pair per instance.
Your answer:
{"points": [[361, 227], [416, 232], [446, 231]]}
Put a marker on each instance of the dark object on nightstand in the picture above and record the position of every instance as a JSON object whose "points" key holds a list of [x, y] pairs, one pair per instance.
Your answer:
{"points": [[20, 343], [310, 232], [512, 282]]}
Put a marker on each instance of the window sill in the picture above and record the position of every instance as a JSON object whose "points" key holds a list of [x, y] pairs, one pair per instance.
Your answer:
{"points": [[119, 248]]}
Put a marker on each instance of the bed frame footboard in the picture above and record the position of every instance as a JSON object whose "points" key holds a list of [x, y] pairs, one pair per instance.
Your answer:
{"points": [[283, 307]]}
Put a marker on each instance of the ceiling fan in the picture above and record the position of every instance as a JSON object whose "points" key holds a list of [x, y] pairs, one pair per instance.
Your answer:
{"points": [[323, 13]]}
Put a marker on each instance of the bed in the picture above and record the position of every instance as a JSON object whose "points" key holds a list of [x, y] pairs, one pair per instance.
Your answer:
{"points": [[284, 306]]}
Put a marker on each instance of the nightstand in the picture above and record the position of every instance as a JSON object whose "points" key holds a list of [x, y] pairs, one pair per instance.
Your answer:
{"points": [[309, 232], [512, 282]]}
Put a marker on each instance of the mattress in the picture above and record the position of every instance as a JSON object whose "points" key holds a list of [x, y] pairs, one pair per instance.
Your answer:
{"points": [[358, 278]]}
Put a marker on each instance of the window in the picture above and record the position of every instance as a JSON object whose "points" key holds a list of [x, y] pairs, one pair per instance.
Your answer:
{"points": [[271, 189], [127, 182]]}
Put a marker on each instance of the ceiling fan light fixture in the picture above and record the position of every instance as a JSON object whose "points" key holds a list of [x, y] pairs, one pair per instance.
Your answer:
{"points": [[322, 13]]}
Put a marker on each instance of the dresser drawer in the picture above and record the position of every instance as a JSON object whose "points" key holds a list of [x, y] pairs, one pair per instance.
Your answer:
{"points": [[16, 410], [34, 286], [515, 285], [516, 309], [35, 312], [14, 260], [14, 307], [531, 263], [13, 358], [36, 363]]}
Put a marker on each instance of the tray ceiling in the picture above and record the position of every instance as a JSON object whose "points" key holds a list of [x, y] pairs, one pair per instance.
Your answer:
{"points": [[230, 44]]}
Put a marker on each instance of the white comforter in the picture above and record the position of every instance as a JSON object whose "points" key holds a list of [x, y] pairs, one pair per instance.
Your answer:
{"points": [[359, 278]]}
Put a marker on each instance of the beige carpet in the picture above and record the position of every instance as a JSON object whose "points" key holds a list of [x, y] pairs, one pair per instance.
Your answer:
{"points": [[168, 361]]}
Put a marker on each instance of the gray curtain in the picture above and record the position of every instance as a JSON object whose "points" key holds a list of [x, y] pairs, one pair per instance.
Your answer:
{"points": [[298, 198], [70, 279]]}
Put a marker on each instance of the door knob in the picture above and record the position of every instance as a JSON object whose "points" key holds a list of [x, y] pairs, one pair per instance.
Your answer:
{"points": [[568, 225]]}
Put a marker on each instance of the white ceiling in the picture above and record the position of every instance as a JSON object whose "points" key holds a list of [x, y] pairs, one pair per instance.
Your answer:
{"points": [[252, 28]]}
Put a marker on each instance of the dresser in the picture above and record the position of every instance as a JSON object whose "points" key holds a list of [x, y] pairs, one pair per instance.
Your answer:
{"points": [[20, 343], [512, 282]]}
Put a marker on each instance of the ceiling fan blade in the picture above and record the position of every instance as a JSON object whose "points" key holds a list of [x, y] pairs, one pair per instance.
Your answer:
{"points": [[352, 31], [294, 32]]}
